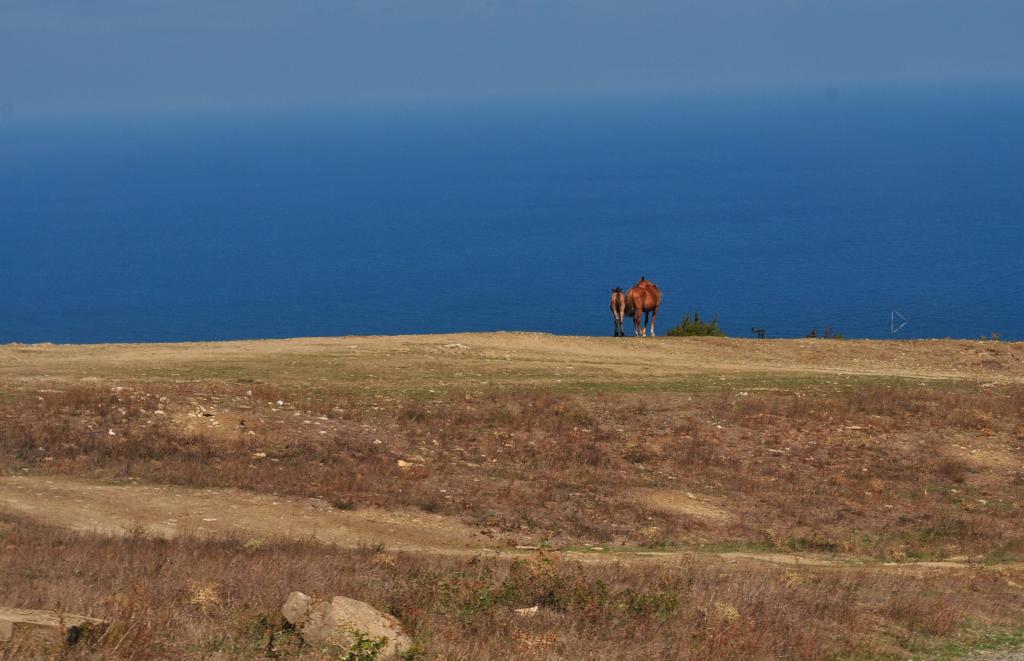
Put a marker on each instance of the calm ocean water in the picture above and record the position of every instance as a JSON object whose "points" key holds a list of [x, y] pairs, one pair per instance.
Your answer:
{"points": [[789, 212]]}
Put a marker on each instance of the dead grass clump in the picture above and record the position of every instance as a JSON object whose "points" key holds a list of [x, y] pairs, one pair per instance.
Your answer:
{"points": [[203, 595], [952, 470], [922, 613]]}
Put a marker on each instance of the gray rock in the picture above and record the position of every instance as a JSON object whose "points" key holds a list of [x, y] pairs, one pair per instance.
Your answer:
{"points": [[295, 607], [338, 621]]}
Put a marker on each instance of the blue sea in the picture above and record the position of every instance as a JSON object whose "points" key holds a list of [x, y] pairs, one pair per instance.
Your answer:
{"points": [[788, 211]]}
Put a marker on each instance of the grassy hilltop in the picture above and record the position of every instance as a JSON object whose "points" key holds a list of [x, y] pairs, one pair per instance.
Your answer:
{"points": [[657, 498]]}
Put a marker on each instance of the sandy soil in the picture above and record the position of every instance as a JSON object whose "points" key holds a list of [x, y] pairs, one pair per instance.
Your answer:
{"points": [[687, 503], [168, 511]]}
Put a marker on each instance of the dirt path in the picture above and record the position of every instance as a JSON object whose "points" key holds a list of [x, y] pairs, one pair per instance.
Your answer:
{"points": [[170, 511]]}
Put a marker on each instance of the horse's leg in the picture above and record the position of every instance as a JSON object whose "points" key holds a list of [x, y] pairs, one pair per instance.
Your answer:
{"points": [[643, 331], [636, 322], [654, 316]]}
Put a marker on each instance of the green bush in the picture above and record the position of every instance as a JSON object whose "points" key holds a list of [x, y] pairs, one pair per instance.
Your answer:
{"points": [[364, 647], [697, 327]]}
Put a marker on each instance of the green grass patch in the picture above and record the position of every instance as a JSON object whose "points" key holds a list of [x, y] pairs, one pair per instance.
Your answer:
{"points": [[996, 641]]}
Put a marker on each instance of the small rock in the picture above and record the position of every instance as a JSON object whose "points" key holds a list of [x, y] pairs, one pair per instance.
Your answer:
{"points": [[527, 612], [295, 607], [25, 626], [337, 621], [404, 465]]}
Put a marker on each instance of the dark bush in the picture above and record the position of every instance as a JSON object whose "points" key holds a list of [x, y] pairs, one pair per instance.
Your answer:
{"points": [[697, 327]]}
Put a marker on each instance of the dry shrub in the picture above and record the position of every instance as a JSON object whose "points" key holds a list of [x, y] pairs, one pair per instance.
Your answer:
{"points": [[952, 470]]}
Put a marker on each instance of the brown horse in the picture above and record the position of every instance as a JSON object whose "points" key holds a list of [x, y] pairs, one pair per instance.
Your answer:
{"points": [[642, 300], [618, 307]]}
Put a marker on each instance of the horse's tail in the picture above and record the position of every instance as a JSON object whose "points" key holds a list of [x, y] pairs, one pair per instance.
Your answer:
{"points": [[618, 303]]}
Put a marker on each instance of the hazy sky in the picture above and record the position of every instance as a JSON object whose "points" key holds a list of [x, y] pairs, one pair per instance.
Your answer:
{"points": [[68, 56]]}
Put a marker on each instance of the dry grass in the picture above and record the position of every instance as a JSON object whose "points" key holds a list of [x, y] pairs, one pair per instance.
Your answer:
{"points": [[192, 599], [532, 439], [892, 473]]}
